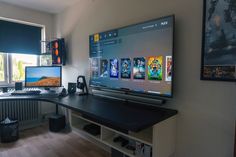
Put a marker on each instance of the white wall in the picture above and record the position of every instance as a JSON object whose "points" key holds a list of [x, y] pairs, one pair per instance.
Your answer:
{"points": [[207, 109]]}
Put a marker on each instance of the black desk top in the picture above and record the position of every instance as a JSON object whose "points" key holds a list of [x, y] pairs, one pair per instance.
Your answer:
{"points": [[116, 114]]}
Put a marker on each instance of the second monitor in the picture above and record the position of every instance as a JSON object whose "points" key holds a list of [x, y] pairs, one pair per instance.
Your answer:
{"points": [[43, 76]]}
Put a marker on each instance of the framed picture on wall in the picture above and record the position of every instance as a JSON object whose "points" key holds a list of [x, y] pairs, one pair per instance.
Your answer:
{"points": [[219, 40]]}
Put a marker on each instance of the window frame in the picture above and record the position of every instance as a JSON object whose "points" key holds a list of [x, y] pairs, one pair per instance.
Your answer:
{"points": [[5, 62]]}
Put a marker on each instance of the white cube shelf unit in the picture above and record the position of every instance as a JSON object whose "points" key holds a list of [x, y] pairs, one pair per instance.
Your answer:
{"points": [[160, 137]]}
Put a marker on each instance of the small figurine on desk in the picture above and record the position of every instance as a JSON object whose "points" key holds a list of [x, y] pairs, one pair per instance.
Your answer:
{"points": [[82, 85]]}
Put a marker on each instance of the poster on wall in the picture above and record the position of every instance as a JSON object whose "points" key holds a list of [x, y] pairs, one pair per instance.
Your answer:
{"points": [[219, 40]]}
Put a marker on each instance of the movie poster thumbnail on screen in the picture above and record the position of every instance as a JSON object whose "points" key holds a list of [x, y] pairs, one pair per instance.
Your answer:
{"points": [[125, 68], [155, 68], [139, 68], [114, 68]]}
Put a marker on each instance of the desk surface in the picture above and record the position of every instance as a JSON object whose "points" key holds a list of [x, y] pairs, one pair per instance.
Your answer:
{"points": [[116, 114]]}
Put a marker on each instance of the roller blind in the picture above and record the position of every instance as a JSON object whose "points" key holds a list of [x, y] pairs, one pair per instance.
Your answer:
{"points": [[19, 38]]}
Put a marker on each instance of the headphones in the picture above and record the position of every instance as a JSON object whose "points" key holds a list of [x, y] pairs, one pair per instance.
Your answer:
{"points": [[81, 84]]}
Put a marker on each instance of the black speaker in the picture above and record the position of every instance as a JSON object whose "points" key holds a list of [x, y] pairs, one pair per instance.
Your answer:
{"points": [[4, 89], [71, 88], [18, 86], [57, 123]]}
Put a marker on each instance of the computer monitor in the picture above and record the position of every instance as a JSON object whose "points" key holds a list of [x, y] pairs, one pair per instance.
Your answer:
{"points": [[43, 76]]}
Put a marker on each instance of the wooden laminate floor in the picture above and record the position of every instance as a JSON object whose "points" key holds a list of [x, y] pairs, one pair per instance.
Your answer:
{"points": [[39, 142]]}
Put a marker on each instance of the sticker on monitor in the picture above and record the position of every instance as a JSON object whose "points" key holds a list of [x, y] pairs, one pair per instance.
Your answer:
{"points": [[139, 68], [155, 68], [125, 68], [168, 73], [114, 68], [103, 68]]}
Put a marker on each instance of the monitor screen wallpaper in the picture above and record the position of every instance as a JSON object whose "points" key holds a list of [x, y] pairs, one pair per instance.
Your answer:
{"points": [[48, 76]]}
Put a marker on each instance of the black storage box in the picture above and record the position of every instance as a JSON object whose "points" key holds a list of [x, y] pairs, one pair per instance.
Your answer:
{"points": [[116, 153], [57, 123], [92, 129], [9, 130]]}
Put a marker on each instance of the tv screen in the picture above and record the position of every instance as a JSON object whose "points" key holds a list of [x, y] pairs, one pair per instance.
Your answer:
{"points": [[43, 76], [136, 58]]}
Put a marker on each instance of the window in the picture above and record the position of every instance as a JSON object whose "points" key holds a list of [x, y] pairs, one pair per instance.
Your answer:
{"points": [[2, 67], [19, 62], [46, 60], [12, 66], [14, 58]]}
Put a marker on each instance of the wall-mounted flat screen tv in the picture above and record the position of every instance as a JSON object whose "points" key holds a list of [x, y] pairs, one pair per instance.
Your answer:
{"points": [[136, 58]]}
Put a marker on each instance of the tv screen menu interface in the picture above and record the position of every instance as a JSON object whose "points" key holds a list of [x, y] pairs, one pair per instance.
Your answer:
{"points": [[136, 58]]}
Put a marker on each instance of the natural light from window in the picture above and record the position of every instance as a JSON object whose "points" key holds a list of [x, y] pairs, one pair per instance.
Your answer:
{"points": [[19, 62], [2, 66]]}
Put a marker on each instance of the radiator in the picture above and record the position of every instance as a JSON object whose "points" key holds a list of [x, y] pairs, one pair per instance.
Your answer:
{"points": [[27, 112]]}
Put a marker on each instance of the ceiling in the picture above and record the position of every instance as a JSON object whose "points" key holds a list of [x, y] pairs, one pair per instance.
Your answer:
{"points": [[49, 6]]}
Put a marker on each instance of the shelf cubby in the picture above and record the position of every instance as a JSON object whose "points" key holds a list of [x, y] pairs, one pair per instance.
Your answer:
{"points": [[160, 138], [78, 123]]}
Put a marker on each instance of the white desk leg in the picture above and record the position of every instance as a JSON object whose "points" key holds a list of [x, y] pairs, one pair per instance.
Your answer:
{"points": [[67, 113]]}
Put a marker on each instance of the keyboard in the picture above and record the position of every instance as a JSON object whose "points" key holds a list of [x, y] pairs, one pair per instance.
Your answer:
{"points": [[26, 92], [47, 94]]}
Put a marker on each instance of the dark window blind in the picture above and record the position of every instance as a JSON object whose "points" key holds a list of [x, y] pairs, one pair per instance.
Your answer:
{"points": [[19, 38]]}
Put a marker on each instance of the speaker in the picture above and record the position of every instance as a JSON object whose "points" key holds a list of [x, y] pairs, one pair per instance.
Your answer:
{"points": [[71, 88], [4, 89], [18, 86], [57, 123]]}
